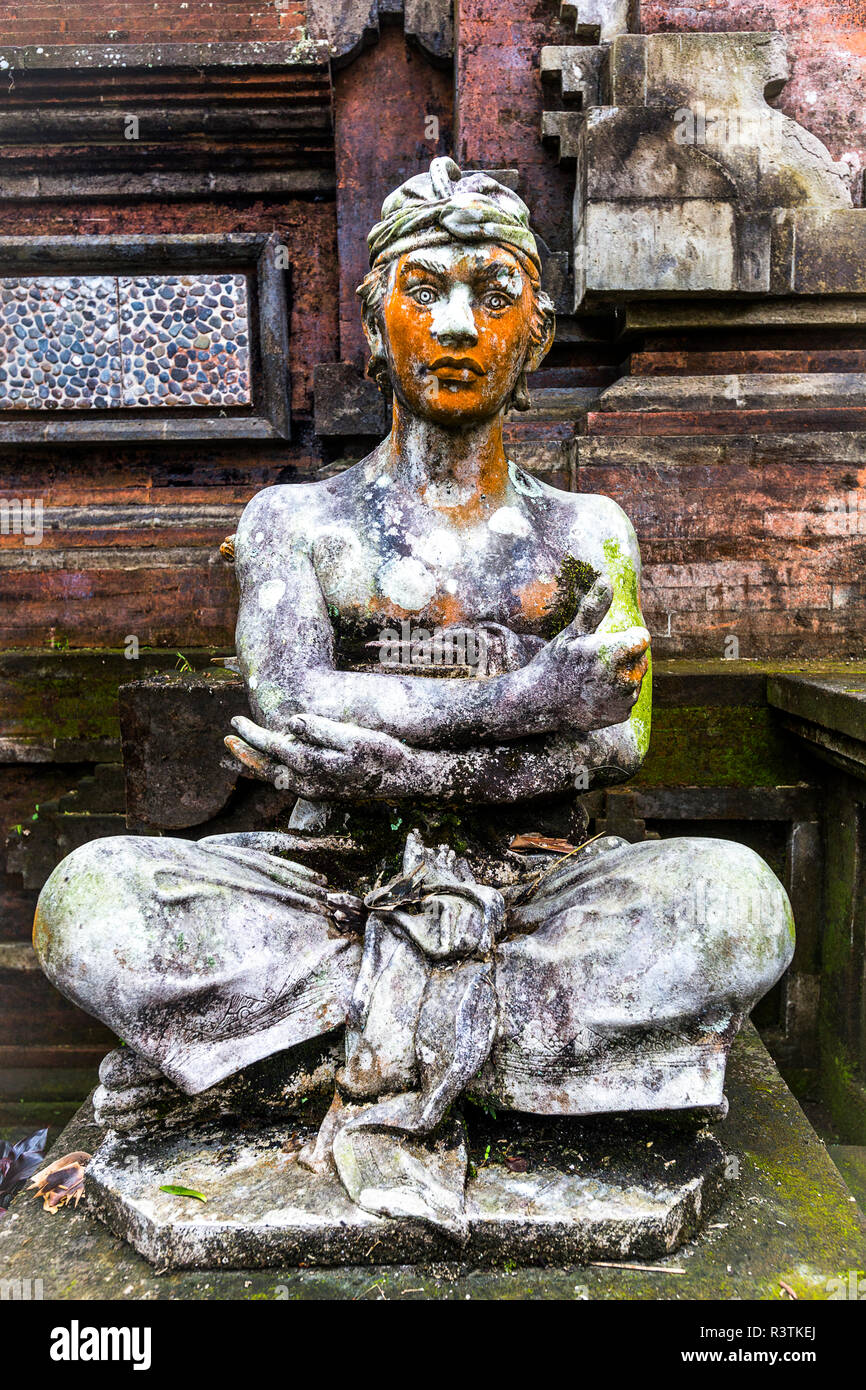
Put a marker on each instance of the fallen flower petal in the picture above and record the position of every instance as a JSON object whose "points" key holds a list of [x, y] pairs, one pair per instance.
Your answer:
{"points": [[18, 1162]]}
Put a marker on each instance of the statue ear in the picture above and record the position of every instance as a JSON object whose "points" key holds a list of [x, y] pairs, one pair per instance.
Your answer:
{"points": [[377, 366], [542, 338], [373, 334]]}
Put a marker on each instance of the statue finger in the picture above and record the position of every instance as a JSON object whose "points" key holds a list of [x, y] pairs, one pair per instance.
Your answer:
{"points": [[266, 740], [309, 760], [351, 742], [634, 651], [325, 733], [592, 607], [623, 649], [258, 764]]}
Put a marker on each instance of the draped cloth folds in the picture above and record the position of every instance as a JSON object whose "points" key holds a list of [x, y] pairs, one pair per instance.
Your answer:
{"points": [[421, 1024], [611, 981]]}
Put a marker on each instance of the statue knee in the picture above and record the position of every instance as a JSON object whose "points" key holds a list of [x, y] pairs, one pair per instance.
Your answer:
{"points": [[744, 913], [83, 896]]}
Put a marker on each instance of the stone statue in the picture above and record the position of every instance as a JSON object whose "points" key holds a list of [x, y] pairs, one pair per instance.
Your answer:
{"points": [[437, 631]]}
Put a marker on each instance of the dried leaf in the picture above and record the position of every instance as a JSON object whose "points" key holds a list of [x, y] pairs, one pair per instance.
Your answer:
{"points": [[553, 844], [18, 1162], [517, 1164], [62, 1181]]}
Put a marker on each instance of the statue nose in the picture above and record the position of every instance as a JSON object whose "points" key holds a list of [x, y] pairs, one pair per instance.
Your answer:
{"points": [[455, 323]]}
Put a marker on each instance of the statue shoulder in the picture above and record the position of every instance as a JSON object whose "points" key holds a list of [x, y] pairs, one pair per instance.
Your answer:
{"points": [[278, 517], [599, 530]]}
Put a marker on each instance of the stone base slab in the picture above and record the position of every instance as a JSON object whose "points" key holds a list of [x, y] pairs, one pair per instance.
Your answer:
{"points": [[542, 1192], [787, 1217]]}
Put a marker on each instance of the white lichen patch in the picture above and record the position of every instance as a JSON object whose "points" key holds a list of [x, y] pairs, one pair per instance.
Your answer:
{"points": [[508, 521], [522, 482], [270, 594], [407, 582], [440, 547]]}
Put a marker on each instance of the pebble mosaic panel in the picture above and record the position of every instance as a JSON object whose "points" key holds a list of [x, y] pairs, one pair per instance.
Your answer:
{"points": [[107, 342], [184, 340], [58, 344]]}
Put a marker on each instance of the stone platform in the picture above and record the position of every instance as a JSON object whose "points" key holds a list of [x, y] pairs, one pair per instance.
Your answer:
{"points": [[786, 1222], [539, 1192]]}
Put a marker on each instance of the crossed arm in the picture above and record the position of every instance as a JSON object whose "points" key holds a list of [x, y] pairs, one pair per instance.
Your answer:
{"points": [[570, 716]]}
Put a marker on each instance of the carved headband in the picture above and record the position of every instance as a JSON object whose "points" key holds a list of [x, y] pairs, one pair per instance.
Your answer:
{"points": [[441, 206]]}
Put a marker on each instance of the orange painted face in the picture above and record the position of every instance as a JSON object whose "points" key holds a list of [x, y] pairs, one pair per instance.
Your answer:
{"points": [[458, 321]]}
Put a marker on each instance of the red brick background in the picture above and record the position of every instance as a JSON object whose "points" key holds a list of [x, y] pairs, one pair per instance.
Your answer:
{"points": [[137, 21]]}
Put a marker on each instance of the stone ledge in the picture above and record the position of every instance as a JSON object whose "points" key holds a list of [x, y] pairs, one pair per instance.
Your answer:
{"points": [[828, 713], [262, 53]]}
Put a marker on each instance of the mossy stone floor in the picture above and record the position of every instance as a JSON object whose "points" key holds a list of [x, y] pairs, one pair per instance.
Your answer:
{"points": [[787, 1222]]}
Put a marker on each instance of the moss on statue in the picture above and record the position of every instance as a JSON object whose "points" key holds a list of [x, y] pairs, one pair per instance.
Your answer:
{"points": [[573, 583]]}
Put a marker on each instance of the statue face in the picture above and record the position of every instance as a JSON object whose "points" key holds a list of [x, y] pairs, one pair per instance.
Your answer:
{"points": [[458, 321]]}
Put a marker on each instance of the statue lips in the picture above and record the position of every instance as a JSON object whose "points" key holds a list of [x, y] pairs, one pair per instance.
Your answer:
{"points": [[459, 370]]}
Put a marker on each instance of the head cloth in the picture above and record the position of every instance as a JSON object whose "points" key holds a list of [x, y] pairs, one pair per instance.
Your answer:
{"points": [[440, 206]]}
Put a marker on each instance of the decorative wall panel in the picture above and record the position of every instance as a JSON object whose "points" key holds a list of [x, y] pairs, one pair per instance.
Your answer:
{"points": [[59, 343], [184, 340], [99, 343], [143, 337]]}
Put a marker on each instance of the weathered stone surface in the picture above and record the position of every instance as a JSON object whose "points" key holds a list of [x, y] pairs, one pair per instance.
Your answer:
{"points": [[689, 182], [786, 1215], [159, 716], [242, 118], [828, 61], [567, 1206], [828, 712], [596, 20], [737, 391], [346, 28], [574, 73], [347, 403], [134, 1097], [850, 1159]]}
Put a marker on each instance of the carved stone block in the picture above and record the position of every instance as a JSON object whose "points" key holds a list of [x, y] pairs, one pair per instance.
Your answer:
{"points": [[688, 183]]}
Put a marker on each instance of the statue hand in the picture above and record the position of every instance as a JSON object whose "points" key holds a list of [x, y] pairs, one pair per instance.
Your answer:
{"points": [[321, 759], [592, 679]]}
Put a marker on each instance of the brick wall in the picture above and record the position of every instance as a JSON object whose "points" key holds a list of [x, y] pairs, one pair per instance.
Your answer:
{"points": [[137, 21]]}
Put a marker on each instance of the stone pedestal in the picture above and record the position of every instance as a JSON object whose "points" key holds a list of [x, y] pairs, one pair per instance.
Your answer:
{"points": [[540, 1192]]}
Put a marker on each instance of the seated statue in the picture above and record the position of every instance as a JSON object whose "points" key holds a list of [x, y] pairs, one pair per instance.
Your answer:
{"points": [[434, 629]]}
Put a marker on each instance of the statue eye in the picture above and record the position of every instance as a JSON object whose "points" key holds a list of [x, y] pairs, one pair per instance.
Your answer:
{"points": [[424, 295], [496, 301]]}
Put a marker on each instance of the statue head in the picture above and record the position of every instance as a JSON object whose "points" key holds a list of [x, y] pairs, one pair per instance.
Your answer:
{"points": [[453, 308]]}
